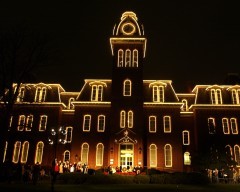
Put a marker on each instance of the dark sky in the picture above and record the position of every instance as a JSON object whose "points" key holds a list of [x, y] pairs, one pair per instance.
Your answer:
{"points": [[188, 42]]}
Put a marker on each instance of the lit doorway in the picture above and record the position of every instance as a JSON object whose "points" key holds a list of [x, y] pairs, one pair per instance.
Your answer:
{"points": [[126, 155]]}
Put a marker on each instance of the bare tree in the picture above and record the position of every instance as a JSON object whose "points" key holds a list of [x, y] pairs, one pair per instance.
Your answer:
{"points": [[21, 52]]}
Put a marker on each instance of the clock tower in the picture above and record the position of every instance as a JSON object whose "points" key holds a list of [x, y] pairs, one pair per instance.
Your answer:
{"points": [[128, 46]]}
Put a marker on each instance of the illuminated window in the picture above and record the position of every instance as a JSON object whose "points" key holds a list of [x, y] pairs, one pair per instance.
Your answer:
{"points": [[66, 156], [187, 158], [130, 119], [39, 152], [101, 123], [122, 119], [16, 152], [40, 94], [127, 88], [120, 58], [168, 155], [5, 151], [216, 96], [236, 96], [152, 124], [225, 125], [84, 153], [21, 94], [10, 123], [234, 127], [158, 93], [167, 124], [21, 122], [29, 122], [185, 105], [70, 105], [68, 137], [186, 138], [97, 92], [228, 150], [237, 154], [43, 123], [135, 58], [24, 156], [99, 154], [211, 125], [86, 122], [153, 155], [128, 58]]}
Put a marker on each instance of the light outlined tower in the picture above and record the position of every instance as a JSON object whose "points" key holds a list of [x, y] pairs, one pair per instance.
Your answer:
{"points": [[128, 46]]}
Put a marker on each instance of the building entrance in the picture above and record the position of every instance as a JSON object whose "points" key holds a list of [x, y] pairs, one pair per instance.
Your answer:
{"points": [[126, 155]]}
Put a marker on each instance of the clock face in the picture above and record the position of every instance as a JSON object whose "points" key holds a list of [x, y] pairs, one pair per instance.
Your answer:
{"points": [[128, 28]]}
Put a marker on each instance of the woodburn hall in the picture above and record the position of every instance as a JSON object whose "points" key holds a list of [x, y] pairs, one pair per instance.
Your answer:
{"points": [[124, 121]]}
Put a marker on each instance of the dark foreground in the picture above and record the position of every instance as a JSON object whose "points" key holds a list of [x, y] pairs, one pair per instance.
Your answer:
{"points": [[46, 187]]}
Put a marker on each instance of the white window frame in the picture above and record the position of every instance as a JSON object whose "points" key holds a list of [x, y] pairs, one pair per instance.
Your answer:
{"points": [[39, 152], [167, 124], [186, 137], [43, 123], [24, 154], [99, 154], [86, 123], [234, 126], [127, 87], [101, 123], [225, 125], [135, 58], [84, 153], [168, 155], [152, 124], [120, 58], [153, 155], [21, 122], [16, 152]]}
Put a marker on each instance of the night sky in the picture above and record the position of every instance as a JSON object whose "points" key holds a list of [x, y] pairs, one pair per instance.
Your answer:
{"points": [[189, 42]]}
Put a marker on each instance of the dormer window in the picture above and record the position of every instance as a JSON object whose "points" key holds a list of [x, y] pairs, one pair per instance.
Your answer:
{"points": [[216, 96], [21, 94], [120, 58], [185, 105], [97, 92], [236, 96], [127, 88], [40, 94], [70, 105], [158, 93]]}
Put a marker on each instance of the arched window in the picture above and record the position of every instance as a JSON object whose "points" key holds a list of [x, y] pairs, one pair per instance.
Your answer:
{"points": [[84, 153], [16, 152], [158, 93], [86, 122], [135, 58], [39, 152], [186, 138], [21, 94], [40, 94], [68, 137], [187, 158], [101, 123], [168, 155], [70, 105], [66, 156], [237, 154], [122, 118], [185, 105], [216, 96], [128, 58], [130, 119], [167, 124], [152, 124], [127, 88], [25, 148], [153, 155], [97, 93], [120, 58], [99, 154], [234, 127]]}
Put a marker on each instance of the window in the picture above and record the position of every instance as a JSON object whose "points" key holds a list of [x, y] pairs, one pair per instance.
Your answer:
{"points": [[21, 94], [153, 155], [43, 123], [225, 126], [152, 124], [127, 88], [130, 119], [185, 105], [122, 119], [158, 93], [87, 123], [24, 156], [168, 155], [216, 96], [101, 123], [5, 151], [120, 58], [40, 94], [236, 96], [228, 150], [211, 125], [167, 124], [128, 58], [99, 154], [70, 105], [97, 92], [135, 58], [16, 152], [39, 152], [21, 122], [66, 156], [10, 123], [186, 138], [237, 154], [68, 137], [84, 153], [187, 158], [234, 127], [29, 122]]}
